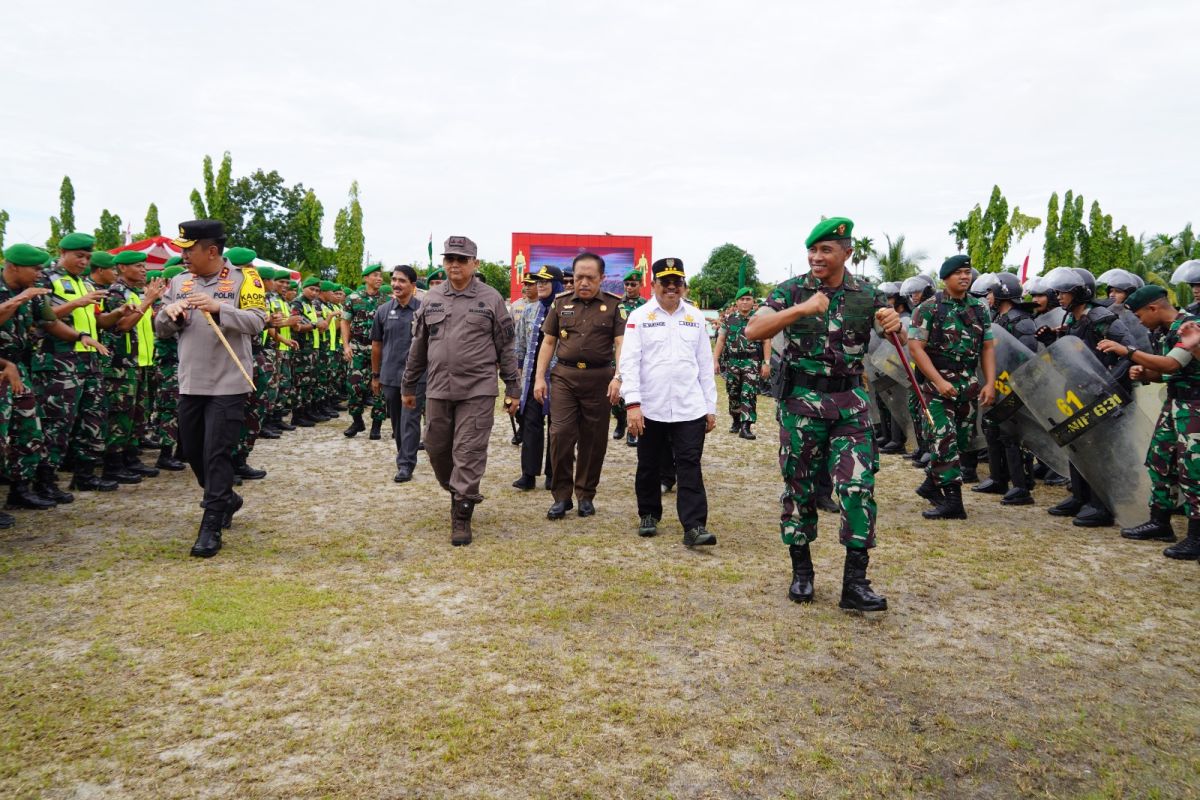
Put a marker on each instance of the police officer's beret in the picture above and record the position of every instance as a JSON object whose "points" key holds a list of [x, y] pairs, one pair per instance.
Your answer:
{"points": [[26, 255], [745, 291], [952, 265], [127, 257], [311, 281], [240, 256], [547, 273], [328, 286], [438, 274], [77, 241], [194, 230], [372, 268], [665, 267], [102, 260], [830, 229], [173, 261], [172, 271], [1145, 296], [632, 275]]}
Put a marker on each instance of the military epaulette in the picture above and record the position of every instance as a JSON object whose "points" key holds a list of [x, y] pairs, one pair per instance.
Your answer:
{"points": [[615, 296], [564, 293]]}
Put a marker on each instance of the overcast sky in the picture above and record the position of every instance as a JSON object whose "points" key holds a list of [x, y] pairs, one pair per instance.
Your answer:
{"points": [[696, 123]]}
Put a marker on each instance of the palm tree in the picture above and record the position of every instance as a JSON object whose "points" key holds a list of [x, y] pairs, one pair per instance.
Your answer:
{"points": [[959, 231], [864, 248], [895, 264]]}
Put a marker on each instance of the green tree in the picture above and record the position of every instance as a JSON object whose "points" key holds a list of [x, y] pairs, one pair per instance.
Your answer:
{"points": [[1050, 249], [3, 226], [64, 223], [153, 228], [108, 235], [864, 248], [218, 202], [718, 278], [894, 263], [269, 209], [348, 239], [306, 225], [495, 275], [959, 231], [198, 208], [992, 231]]}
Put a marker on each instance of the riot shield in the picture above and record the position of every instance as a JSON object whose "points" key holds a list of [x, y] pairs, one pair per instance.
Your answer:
{"points": [[1104, 432], [1010, 413], [886, 372], [1141, 334], [1051, 319]]}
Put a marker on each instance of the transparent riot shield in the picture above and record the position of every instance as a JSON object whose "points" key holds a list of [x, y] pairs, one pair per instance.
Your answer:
{"points": [[1104, 432], [885, 369], [1010, 413]]}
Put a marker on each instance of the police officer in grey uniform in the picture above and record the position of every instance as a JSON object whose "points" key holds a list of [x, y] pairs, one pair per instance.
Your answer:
{"points": [[463, 331], [212, 388], [391, 339]]}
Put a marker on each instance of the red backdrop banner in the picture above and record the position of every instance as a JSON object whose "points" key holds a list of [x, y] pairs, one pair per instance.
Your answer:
{"points": [[620, 254]]}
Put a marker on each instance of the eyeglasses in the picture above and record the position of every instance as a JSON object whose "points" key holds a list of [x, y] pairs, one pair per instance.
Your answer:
{"points": [[457, 259]]}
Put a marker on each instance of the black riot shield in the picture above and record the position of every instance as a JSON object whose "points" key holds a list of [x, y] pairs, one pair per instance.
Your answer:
{"points": [[1104, 432], [1010, 413]]}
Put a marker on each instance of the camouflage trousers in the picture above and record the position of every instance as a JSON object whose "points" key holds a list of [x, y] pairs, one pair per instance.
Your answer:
{"points": [[164, 407], [742, 383], [304, 378], [953, 429], [21, 429], [126, 388], [845, 448], [257, 405], [324, 376], [358, 384], [72, 402], [282, 377], [1174, 459]]}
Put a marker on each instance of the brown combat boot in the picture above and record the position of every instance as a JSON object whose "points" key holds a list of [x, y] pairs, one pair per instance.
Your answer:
{"points": [[460, 522]]}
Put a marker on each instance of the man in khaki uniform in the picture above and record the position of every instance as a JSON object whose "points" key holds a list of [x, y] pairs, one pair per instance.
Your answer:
{"points": [[462, 332], [586, 326]]}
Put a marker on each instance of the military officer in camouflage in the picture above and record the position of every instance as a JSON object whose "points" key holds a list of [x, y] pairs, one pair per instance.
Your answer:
{"points": [[1174, 455], [949, 337], [746, 363], [257, 410], [826, 316], [164, 426], [358, 315]]}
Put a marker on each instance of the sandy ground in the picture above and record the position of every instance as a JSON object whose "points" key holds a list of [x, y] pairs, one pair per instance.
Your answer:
{"points": [[339, 647]]}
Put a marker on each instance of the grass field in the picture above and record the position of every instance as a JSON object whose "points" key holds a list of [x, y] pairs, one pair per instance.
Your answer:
{"points": [[339, 647]]}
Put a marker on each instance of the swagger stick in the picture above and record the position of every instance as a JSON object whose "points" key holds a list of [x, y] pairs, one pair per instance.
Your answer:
{"points": [[912, 379], [217, 330]]}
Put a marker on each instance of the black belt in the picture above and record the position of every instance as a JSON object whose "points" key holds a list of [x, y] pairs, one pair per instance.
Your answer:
{"points": [[949, 365], [824, 383], [745, 354], [1186, 394], [585, 364]]}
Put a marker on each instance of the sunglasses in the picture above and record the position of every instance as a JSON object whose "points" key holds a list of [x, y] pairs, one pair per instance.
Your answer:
{"points": [[457, 259], [672, 281]]}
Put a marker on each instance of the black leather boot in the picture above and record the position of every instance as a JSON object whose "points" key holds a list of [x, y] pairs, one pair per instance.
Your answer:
{"points": [[735, 426], [245, 471], [356, 426], [991, 486], [930, 491], [1067, 508], [6, 520], [460, 522], [235, 505], [1157, 528], [168, 462], [208, 541], [951, 506], [22, 495], [85, 480], [133, 463], [47, 485], [376, 427], [746, 433], [1189, 548], [279, 424], [801, 590], [525, 482], [114, 470], [856, 589]]}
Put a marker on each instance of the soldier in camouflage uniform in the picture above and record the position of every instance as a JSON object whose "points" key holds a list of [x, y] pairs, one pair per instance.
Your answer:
{"points": [[632, 300], [358, 314], [328, 353], [257, 408], [282, 289], [746, 364], [71, 392], [308, 334], [24, 310], [164, 424], [826, 316], [949, 337], [1174, 455]]}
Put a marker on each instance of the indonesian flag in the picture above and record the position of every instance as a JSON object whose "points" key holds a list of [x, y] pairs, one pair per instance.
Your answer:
{"points": [[1025, 267]]}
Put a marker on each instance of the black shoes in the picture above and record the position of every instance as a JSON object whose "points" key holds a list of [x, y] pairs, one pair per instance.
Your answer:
{"points": [[6, 520], [930, 491], [356, 426], [1067, 508], [403, 475], [745, 432], [631, 440], [586, 509], [279, 425], [559, 509], [1017, 496], [647, 525], [22, 495], [1157, 528], [618, 433], [208, 541], [1189, 548], [114, 470], [801, 590], [168, 462], [525, 483], [1092, 516], [951, 506], [133, 463], [991, 487], [699, 537], [235, 505], [460, 522], [893, 448], [47, 485], [856, 589], [301, 420], [735, 426], [828, 505], [85, 480], [375, 435], [246, 472]]}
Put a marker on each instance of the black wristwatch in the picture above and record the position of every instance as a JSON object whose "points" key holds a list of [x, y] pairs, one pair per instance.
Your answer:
{"points": [[375, 375]]}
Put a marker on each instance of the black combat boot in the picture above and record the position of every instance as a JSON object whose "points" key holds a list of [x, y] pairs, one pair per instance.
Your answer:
{"points": [[895, 447], [856, 589], [267, 432], [969, 462], [168, 462], [951, 506], [1067, 508], [22, 495], [208, 541], [245, 471], [46, 484], [1017, 496], [801, 590], [356, 426], [1094, 515], [85, 480], [300, 418], [114, 470], [376, 426], [525, 482], [280, 425], [991, 486], [699, 536], [133, 463], [234, 506], [930, 491], [746, 433], [460, 522], [6, 520], [1189, 548], [735, 425], [1157, 528]]}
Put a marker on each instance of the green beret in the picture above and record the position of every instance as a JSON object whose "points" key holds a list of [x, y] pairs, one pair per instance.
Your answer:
{"points": [[173, 261], [151, 274], [438, 274], [294, 286], [421, 284], [313, 281], [26, 255], [77, 241], [266, 273], [1145, 296], [372, 268], [172, 271], [830, 230], [952, 265], [327, 286], [240, 256], [102, 259], [743, 292], [632, 275], [126, 257]]}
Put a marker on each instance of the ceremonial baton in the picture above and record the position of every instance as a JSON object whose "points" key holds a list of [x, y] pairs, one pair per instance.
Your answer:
{"points": [[217, 330], [912, 378]]}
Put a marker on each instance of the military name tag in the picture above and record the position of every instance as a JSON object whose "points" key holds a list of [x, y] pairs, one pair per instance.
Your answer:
{"points": [[603, 307]]}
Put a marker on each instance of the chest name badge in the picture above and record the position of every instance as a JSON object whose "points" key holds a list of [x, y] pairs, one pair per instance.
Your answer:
{"points": [[603, 307], [562, 334]]}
